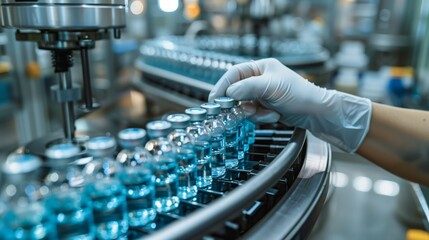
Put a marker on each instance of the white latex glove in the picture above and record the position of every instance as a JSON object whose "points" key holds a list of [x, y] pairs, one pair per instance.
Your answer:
{"points": [[280, 94]]}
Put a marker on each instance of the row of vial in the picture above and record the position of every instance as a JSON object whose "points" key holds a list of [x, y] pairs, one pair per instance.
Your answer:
{"points": [[190, 62], [103, 195]]}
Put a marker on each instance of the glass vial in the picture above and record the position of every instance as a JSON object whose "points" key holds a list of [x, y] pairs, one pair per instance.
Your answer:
{"points": [[28, 215], [232, 155], [65, 181], [202, 145], [185, 155], [106, 190], [138, 177], [216, 129], [164, 165]]}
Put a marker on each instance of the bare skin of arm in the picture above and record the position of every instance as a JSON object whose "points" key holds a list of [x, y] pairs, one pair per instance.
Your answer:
{"points": [[398, 141]]}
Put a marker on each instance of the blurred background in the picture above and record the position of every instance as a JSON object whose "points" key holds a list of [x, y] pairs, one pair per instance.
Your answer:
{"points": [[171, 52]]}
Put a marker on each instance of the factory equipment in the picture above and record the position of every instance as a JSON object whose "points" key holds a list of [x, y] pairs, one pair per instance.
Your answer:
{"points": [[286, 175], [187, 69], [63, 27]]}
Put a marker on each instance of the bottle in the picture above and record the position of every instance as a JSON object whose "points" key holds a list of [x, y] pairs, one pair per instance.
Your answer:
{"points": [[164, 165], [202, 145], [28, 215], [105, 189], [216, 130], [185, 155], [138, 177], [242, 143], [73, 209], [232, 156]]}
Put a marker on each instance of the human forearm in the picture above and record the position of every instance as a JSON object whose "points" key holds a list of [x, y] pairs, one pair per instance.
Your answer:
{"points": [[398, 141]]}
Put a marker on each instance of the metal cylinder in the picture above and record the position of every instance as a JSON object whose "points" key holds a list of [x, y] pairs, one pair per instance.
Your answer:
{"points": [[63, 15], [67, 107]]}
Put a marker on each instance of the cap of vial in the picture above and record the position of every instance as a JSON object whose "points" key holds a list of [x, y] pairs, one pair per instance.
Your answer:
{"points": [[131, 137], [21, 163], [196, 114], [159, 128], [132, 134], [99, 146], [62, 151], [178, 120], [225, 102], [212, 108]]}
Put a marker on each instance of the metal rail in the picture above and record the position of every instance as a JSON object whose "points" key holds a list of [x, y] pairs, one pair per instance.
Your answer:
{"points": [[203, 221]]}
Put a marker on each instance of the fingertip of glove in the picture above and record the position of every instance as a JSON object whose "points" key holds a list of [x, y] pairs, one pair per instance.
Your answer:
{"points": [[233, 91]]}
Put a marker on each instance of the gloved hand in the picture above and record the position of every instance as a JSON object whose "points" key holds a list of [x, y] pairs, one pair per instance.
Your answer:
{"points": [[280, 94]]}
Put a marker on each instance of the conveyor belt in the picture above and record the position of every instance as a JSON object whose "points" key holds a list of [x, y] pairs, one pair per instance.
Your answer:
{"points": [[245, 201]]}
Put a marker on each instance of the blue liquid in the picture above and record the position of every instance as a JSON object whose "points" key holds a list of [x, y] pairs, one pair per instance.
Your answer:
{"points": [[231, 154], [32, 221], [218, 156], [6, 233], [186, 160], [109, 208], [139, 183], [240, 143], [204, 166], [166, 184], [250, 132], [73, 215]]}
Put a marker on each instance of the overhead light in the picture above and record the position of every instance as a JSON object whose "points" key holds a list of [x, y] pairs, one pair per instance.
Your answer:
{"points": [[192, 11], [362, 184], [137, 7], [168, 5], [386, 188], [340, 179]]}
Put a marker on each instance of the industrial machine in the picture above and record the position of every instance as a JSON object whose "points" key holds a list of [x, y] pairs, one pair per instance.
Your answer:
{"points": [[286, 179], [63, 27]]}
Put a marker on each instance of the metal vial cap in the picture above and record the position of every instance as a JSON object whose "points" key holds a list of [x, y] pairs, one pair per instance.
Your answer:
{"points": [[212, 108], [159, 128], [131, 137], [196, 114], [132, 134], [21, 163], [62, 151], [225, 102], [178, 120], [100, 146]]}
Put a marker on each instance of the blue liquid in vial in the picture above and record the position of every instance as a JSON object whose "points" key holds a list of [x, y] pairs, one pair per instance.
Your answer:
{"points": [[218, 156], [186, 171], [166, 184], [250, 132], [139, 184], [109, 208], [241, 128], [231, 158], [73, 214], [32, 221], [204, 167]]}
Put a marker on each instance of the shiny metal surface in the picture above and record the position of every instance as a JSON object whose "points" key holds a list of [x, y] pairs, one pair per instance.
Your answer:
{"points": [[422, 203], [63, 15], [301, 206], [67, 107], [198, 223], [171, 75]]}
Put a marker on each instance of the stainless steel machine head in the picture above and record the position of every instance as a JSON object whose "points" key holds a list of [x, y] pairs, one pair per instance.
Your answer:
{"points": [[63, 26]]}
